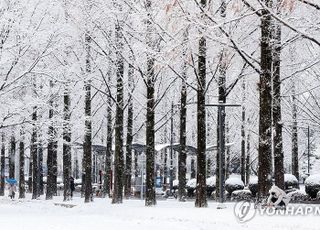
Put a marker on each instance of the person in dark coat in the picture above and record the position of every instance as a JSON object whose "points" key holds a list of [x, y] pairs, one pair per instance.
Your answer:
{"points": [[72, 187]]}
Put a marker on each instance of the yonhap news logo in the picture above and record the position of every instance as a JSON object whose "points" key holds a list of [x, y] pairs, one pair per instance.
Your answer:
{"points": [[245, 211]]}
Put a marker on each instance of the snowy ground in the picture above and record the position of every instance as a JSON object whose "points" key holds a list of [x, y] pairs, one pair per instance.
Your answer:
{"points": [[168, 214]]}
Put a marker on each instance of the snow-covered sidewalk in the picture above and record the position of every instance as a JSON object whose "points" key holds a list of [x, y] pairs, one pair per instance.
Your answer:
{"points": [[132, 214]]}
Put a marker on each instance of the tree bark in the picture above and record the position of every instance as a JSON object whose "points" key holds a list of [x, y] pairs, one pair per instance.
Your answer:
{"points": [[108, 158], [201, 193], [52, 153], [129, 135], [30, 174], [150, 198], [182, 164], [221, 99], [276, 112], [227, 152], [294, 138], [3, 152], [66, 146], [34, 155], [265, 120], [243, 134], [40, 169], [22, 188], [119, 155], [12, 157], [87, 151], [248, 163]]}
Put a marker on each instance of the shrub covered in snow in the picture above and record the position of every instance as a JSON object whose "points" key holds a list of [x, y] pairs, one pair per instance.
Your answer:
{"points": [[253, 185], [175, 184], [211, 185], [312, 185], [298, 196], [241, 195], [191, 187], [233, 184], [290, 181]]}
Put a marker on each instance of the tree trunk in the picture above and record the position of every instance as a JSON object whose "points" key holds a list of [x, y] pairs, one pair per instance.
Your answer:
{"points": [[108, 158], [201, 193], [22, 188], [182, 164], [150, 198], [221, 115], [66, 146], [87, 152], [243, 134], [52, 153], [3, 152], [265, 120], [227, 152], [150, 136], [129, 135], [34, 155], [295, 148], [276, 112], [248, 163], [136, 163], [40, 170], [30, 174], [193, 169], [12, 156], [118, 157], [107, 182]]}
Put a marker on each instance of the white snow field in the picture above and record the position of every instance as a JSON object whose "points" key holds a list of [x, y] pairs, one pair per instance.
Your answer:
{"points": [[133, 215]]}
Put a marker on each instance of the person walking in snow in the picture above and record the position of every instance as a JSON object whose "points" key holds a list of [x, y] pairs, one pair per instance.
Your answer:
{"points": [[277, 198], [72, 186], [12, 191]]}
